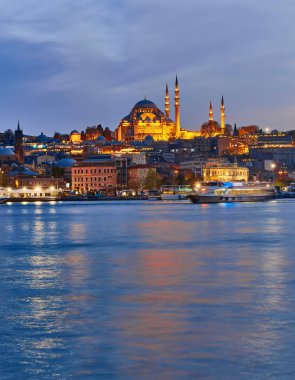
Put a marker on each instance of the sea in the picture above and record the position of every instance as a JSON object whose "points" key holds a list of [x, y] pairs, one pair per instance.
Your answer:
{"points": [[147, 290]]}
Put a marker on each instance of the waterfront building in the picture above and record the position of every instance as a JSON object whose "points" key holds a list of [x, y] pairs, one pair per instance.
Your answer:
{"points": [[122, 164], [94, 174], [224, 172], [25, 179]]}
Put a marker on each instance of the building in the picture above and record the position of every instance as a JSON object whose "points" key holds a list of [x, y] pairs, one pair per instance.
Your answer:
{"points": [[195, 165], [27, 180], [75, 137], [122, 164], [278, 147], [146, 120], [18, 144], [7, 156], [224, 172], [94, 174]]}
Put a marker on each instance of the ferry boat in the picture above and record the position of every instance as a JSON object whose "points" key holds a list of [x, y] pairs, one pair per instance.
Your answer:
{"points": [[221, 192], [175, 192], [37, 194]]}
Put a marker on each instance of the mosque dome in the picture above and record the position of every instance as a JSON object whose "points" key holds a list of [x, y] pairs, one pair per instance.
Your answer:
{"points": [[5, 152], [75, 136], [148, 140], [144, 104]]}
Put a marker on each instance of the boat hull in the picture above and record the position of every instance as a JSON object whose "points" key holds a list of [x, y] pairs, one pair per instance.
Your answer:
{"points": [[228, 199], [173, 197]]}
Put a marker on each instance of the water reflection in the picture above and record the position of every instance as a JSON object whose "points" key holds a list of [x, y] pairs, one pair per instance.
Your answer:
{"points": [[153, 291]]}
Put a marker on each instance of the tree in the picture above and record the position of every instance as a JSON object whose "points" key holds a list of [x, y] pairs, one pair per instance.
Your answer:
{"points": [[210, 129], [57, 172], [248, 130], [152, 180], [135, 185], [8, 137]]}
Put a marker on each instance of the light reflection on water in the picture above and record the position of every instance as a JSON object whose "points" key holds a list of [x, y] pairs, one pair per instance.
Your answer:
{"points": [[147, 290]]}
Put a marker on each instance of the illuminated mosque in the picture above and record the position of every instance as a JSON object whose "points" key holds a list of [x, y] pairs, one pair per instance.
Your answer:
{"points": [[147, 120]]}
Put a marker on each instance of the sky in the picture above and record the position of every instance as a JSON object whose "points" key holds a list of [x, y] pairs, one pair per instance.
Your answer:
{"points": [[69, 64]]}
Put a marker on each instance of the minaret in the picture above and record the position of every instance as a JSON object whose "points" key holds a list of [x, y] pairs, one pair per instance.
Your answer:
{"points": [[167, 103], [177, 106], [210, 113], [222, 116]]}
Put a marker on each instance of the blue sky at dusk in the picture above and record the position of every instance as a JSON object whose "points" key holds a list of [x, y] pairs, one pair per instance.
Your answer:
{"points": [[66, 64]]}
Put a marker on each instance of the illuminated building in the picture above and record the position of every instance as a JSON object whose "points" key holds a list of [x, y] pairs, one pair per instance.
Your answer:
{"points": [[75, 137], [20, 180], [94, 175], [147, 120], [224, 172]]}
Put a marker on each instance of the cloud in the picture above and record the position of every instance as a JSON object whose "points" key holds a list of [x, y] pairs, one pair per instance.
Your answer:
{"points": [[91, 61]]}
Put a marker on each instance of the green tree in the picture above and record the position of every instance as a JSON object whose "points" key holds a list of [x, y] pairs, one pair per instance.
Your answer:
{"points": [[152, 180], [57, 172]]}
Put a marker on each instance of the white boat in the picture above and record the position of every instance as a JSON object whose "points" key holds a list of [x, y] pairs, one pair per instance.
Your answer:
{"points": [[175, 192], [233, 192]]}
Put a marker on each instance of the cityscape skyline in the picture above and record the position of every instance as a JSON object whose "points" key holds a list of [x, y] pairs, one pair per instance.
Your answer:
{"points": [[66, 66]]}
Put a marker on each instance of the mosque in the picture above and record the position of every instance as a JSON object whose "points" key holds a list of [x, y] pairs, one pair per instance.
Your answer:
{"points": [[147, 120]]}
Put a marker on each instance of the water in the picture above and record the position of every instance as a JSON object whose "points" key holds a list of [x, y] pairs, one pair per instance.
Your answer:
{"points": [[147, 290]]}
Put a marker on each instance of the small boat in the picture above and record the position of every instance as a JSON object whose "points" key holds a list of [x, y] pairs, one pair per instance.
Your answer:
{"points": [[175, 192], [3, 199], [222, 192]]}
